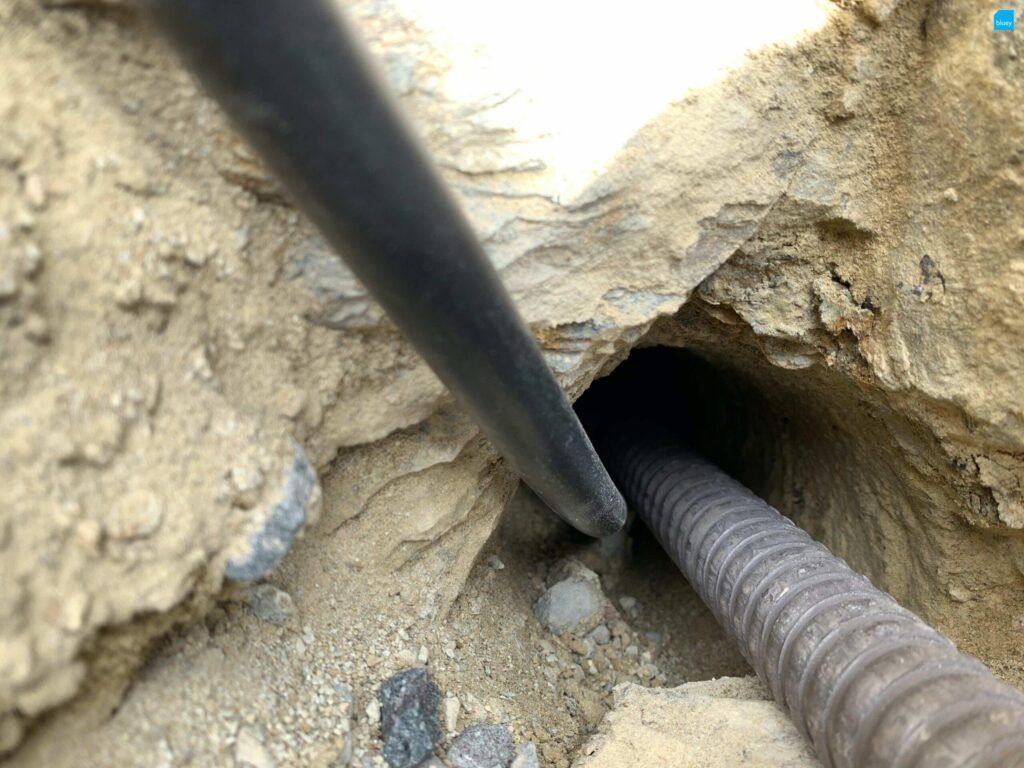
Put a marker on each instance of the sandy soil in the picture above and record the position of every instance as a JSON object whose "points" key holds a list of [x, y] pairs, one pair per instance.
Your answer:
{"points": [[835, 226]]}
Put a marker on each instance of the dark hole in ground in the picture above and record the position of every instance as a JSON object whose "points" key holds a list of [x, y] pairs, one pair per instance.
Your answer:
{"points": [[725, 416], [823, 449], [719, 412]]}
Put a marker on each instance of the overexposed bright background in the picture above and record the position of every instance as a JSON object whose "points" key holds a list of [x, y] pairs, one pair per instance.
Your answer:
{"points": [[581, 76]]}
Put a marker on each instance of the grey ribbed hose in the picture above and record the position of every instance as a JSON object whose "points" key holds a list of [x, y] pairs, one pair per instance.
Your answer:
{"points": [[866, 681]]}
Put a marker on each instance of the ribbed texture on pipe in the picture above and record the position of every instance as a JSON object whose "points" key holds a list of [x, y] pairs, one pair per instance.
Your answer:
{"points": [[866, 681]]}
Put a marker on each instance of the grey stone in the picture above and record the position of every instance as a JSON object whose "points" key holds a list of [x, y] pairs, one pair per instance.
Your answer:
{"points": [[574, 605], [343, 302], [344, 758], [409, 703], [601, 634], [526, 756], [482, 746], [344, 695], [271, 604], [273, 539]]}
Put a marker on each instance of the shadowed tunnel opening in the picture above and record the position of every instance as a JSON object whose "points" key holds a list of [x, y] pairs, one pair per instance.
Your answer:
{"points": [[820, 449], [794, 437], [718, 411], [843, 458], [775, 589]]}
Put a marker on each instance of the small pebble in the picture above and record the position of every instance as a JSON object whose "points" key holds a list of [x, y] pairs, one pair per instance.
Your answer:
{"points": [[31, 259], [250, 751], [451, 713], [138, 218], [409, 702], [573, 605], [271, 604], [345, 753], [34, 191], [601, 634], [482, 746], [373, 712], [526, 756], [8, 285]]}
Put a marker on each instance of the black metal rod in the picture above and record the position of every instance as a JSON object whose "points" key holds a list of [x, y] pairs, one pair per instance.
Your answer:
{"points": [[297, 83]]}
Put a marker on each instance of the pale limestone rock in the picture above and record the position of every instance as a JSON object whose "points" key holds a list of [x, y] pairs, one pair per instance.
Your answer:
{"points": [[711, 724]]}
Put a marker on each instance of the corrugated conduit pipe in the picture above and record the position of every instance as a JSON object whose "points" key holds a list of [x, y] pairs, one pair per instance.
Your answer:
{"points": [[866, 681]]}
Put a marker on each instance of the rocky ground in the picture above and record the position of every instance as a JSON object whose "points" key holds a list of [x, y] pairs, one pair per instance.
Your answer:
{"points": [[235, 502], [537, 644]]}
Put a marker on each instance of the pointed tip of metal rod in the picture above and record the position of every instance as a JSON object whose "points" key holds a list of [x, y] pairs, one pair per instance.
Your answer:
{"points": [[602, 517], [609, 517], [598, 515]]}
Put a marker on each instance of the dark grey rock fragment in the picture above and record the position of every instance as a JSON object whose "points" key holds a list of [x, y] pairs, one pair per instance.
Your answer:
{"points": [[274, 538], [342, 302], [482, 746], [409, 726]]}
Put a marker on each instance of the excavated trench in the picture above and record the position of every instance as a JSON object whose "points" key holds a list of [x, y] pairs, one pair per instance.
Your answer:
{"points": [[845, 463], [747, 562], [855, 362]]}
